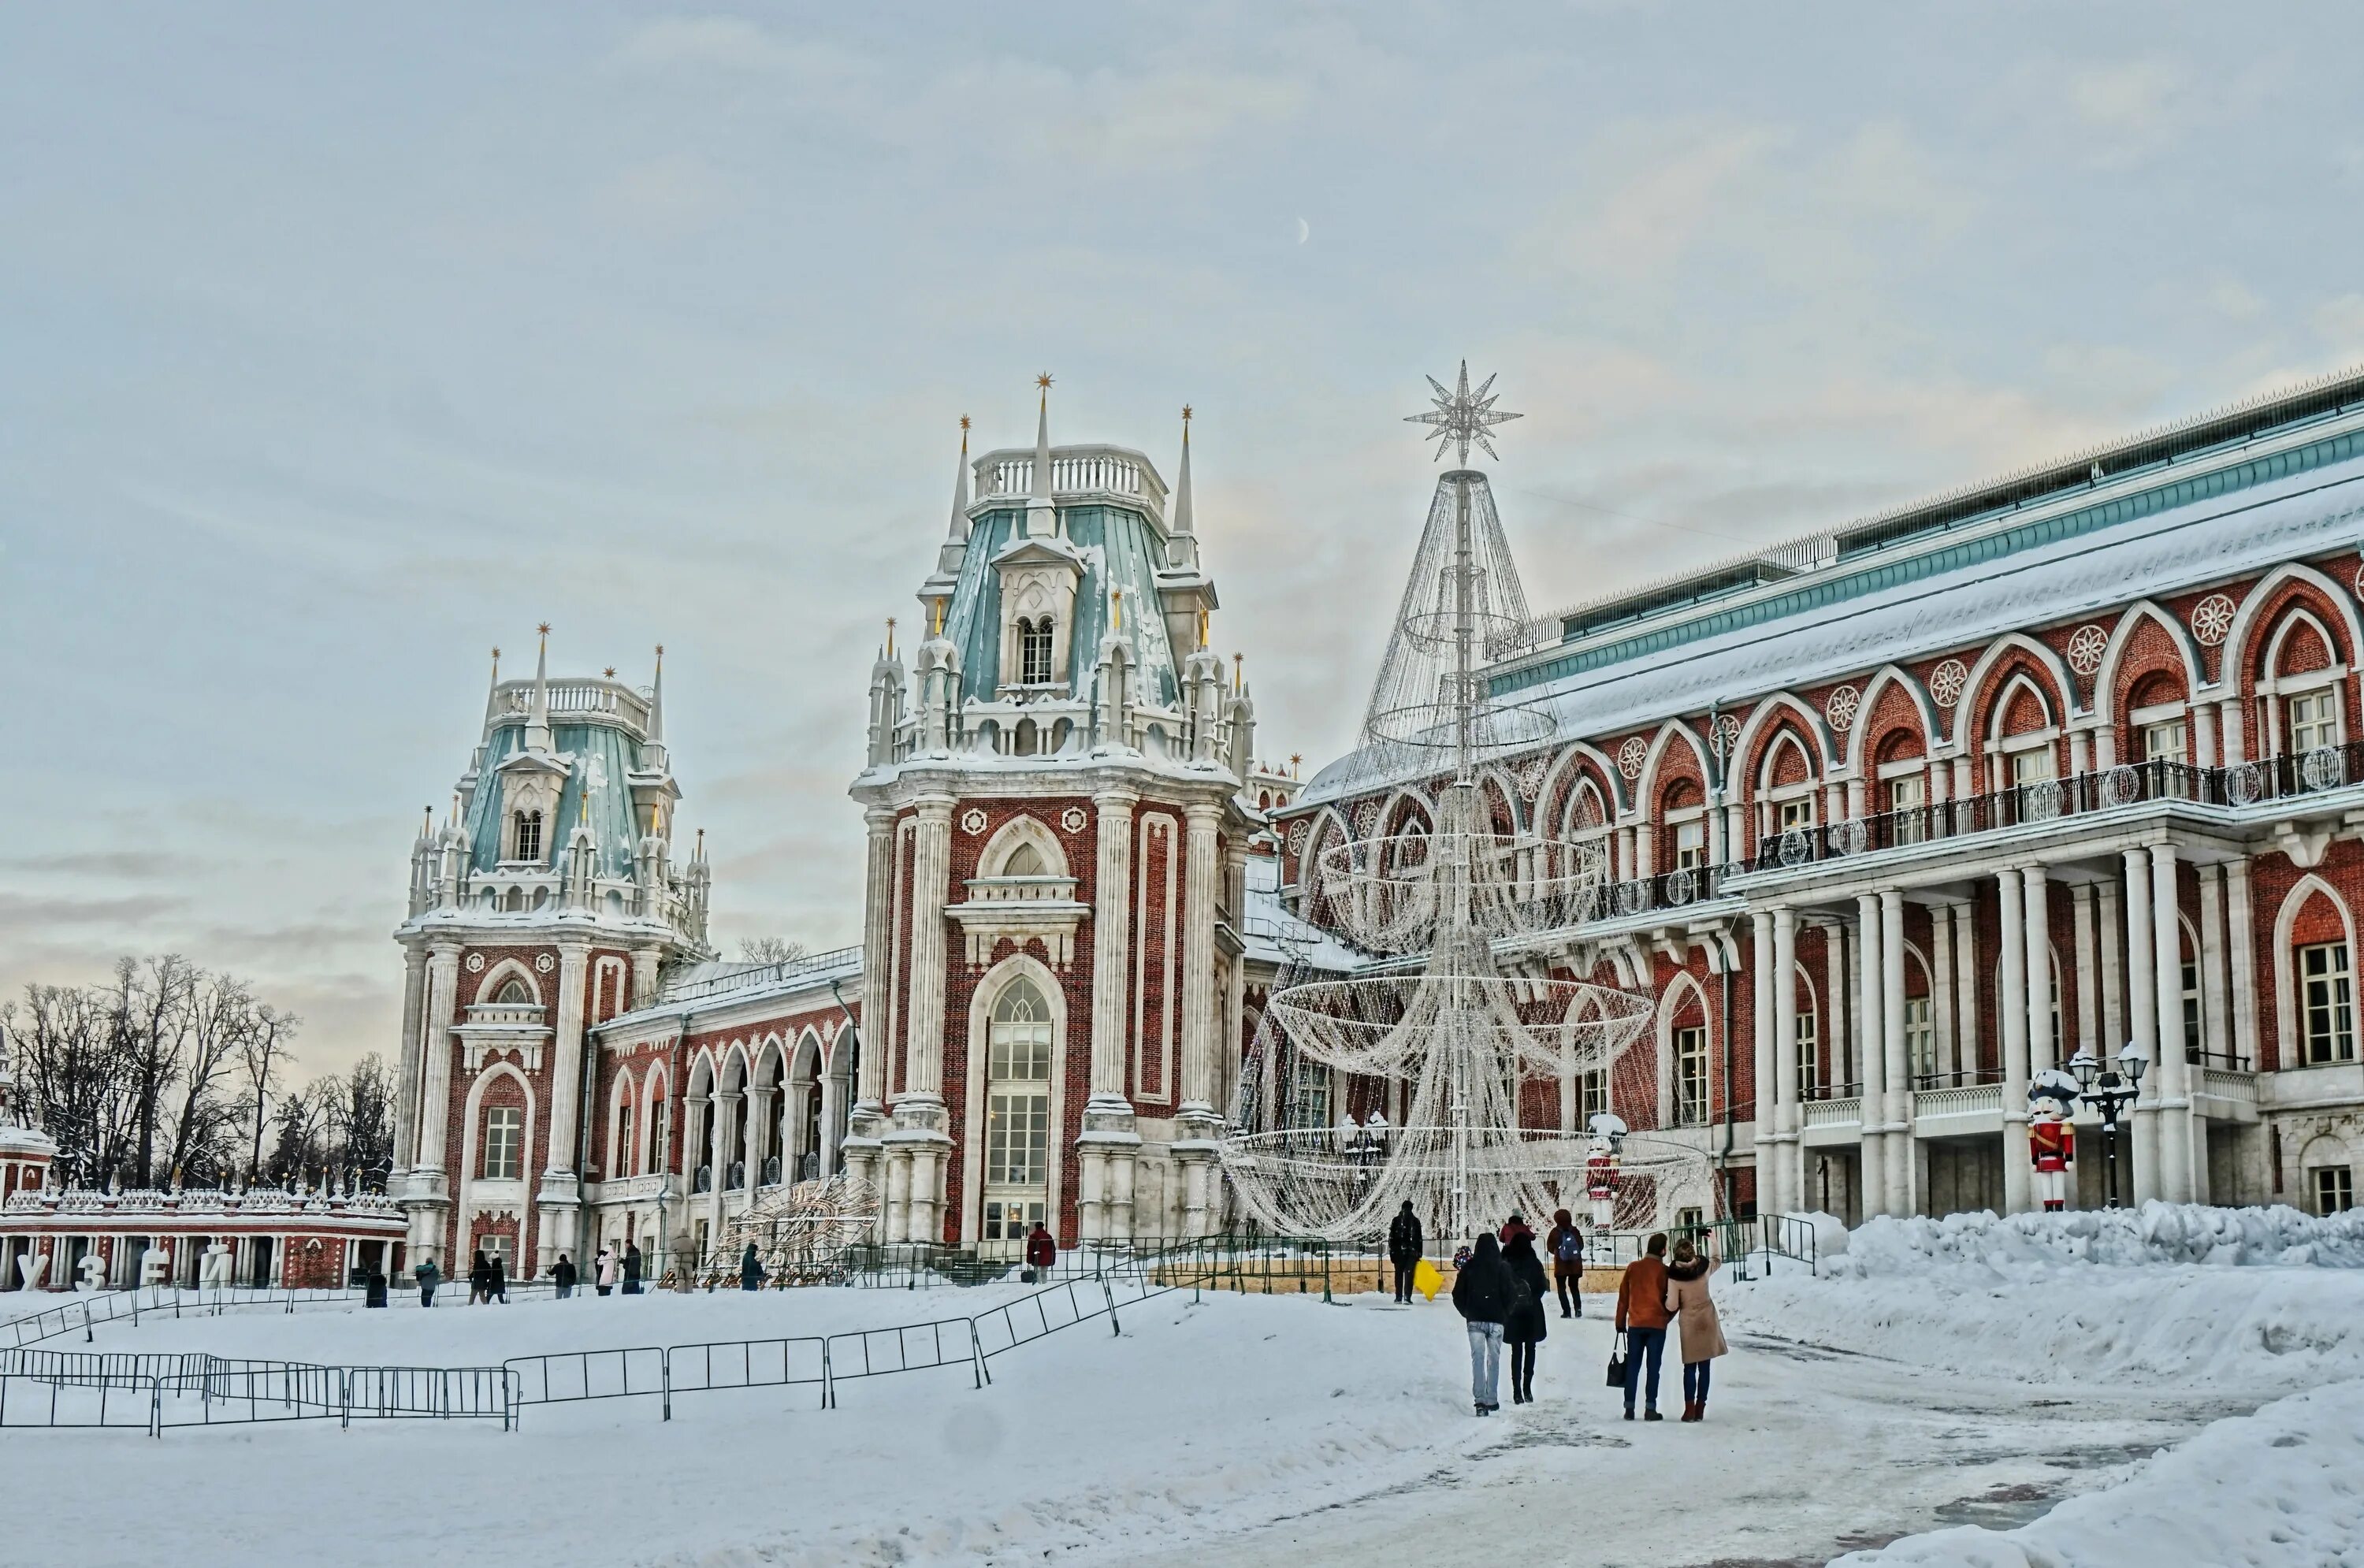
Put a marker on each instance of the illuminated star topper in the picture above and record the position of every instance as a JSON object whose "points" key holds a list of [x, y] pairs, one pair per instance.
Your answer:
{"points": [[1462, 417]]}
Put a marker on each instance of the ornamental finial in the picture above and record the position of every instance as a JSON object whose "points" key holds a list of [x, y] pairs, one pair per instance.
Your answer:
{"points": [[1462, 417]]}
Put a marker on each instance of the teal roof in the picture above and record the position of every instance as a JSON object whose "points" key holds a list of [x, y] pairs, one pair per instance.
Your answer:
{"points": [[1120, 549], [601, 755]]}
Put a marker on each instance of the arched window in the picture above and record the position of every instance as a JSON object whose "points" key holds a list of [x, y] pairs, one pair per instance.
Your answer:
{"points": [[1017, 1114], [527, 836], [1034, 652], [1025, 861], [622, 1157], [514, 993]]}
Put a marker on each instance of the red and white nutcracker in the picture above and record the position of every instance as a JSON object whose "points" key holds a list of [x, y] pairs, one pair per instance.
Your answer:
{"points": [[1600, 1162], [2051, 1135]]}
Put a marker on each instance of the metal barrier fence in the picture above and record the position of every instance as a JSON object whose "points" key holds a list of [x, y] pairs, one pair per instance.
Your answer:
{"points": [[41, 1389], [85, 1310]]}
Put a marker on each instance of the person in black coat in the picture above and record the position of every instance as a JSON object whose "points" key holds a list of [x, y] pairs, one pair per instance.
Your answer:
{"points": [[631, 1268], [480, 1280], [1523, 1326], [750, 1269], [500, 1281], [1404, 1246], [373, 1293], [1482, 1292], [562, 1274]]}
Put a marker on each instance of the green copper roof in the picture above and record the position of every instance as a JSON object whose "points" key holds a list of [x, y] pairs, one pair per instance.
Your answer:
{"points": [[1120, 549]]}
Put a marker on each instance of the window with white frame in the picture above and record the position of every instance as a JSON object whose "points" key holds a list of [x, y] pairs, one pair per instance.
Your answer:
{"points": [[2035, 766], [1810, 1066], [1690, 843], [1034, 652], [1691, 1077], [2165, 741], [499, 1250], [1591, 1094], [623, 1155], [1907, 795], [1796, 812], [1017, 1113], [2326, 1007], [2314, 721], [526, 835], [660, 1137], [504, 1158], [2189, 974], [2335, 1188], [1920, 1039], [1308, 1093]]}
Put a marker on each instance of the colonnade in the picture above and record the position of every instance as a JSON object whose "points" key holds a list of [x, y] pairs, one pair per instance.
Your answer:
{"points": [[1867, 967]]}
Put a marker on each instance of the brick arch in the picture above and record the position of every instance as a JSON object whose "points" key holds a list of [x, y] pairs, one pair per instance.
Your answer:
{"points": [[2145, 642], [1580, 759], [1893, 699], [2312, 911], [2015, 653], [1786, 760], [1780, 711], [1677, 748], [2295, 584]]}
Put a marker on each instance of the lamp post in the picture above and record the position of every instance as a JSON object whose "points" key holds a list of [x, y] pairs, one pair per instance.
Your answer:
{"points": [[2109, 1092]]}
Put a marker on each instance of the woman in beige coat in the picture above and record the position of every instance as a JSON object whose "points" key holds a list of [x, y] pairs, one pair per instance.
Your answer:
{"points": [[1688, 1301]]}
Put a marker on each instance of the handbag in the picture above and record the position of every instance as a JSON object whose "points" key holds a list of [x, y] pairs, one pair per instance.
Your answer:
{"points": [[1616, 1370]]}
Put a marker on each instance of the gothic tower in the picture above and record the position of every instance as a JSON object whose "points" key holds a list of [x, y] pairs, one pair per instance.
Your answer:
{"points": [[545, 906], [1056, 852]]}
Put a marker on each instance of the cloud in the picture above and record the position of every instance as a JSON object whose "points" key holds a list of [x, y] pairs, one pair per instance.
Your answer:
{"points": [[694, 44], [674, 193]]}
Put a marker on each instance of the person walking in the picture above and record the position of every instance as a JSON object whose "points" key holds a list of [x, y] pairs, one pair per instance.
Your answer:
{"points": [[562, 1275], [1523, 1326], [373, 1292], [1405, 1244], [429, 1276], [603, 1270], [500, 1281], [480, 1280], [1703, 1332], [1642, 1318], [1565, 1245], [1042, 1251], [750, 1269], [631, 1268], [1481, 1293]]}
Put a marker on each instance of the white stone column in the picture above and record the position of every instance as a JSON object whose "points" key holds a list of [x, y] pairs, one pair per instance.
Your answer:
{"points": [[1834, 1009], [1762, 1088], [1109, 1139], [865, 1121], [1786, 1181], [1873, 1102], [2142, 1022], [918, 1138], [2229, 736], [755, 1139], [726, 1128], [428, 1191], [1941, 988], [412, 1057], [2036, 911], [561, 1198], [2111, 937], [1900, 1143], [1196, 1123], [2176, 1132], [2216, 1031], [2241, 951], [2204, 734], [2017, 1173], [1965, 987], [2080, 902]]}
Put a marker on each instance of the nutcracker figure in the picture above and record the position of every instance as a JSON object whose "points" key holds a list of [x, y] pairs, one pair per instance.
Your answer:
{"points": [[2051, 1142], [1600, 1169]]}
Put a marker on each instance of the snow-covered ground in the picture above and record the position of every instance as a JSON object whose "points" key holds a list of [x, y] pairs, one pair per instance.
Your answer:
{"points": [[1941, 1379]]}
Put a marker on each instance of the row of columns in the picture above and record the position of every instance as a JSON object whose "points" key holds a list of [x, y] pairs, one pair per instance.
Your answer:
{"points": [[2168, 1139]]}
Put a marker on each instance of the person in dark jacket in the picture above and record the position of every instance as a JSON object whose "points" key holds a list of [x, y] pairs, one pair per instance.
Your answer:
{"points": [[631, 1268], [373, 1293], [562, 1274], [750, 1269], [1042, 1251], [1482, 1291], [1642, 1318], [1565, 1245], [1523, 1326], [500, 1281], [1404, 1246], [429, 1276], [480, 1280]]}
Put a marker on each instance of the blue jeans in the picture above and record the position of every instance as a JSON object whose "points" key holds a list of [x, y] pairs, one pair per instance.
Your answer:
{"points": [[1640, 1343], [1485, 1363], [1695, 1375]]}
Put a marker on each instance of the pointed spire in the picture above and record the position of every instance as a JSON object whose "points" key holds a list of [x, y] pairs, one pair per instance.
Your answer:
{"points": [[656, 699], [959, 534], [890, 637], [493, 692], [1182, 480], [537, 718], [1041, 490]]}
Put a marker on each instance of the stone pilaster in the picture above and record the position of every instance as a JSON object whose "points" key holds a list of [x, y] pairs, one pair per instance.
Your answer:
{"points": [[1108, 1145], [412, 1057], [918, 1140]]}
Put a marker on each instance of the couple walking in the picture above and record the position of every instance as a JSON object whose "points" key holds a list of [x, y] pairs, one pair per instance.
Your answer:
{"points": [[1499, 1292], [1653, 1295]]}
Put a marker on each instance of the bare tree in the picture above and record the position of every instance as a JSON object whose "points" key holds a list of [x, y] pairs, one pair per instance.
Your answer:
{"points": [[221, 1019], [153, 1018], [770, 949], [368, 1150], [263, 1052]]}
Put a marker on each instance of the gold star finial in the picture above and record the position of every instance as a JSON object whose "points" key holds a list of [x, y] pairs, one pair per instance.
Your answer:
{"points": [[1185, 413], [543, 628], [1044, 381], [610, 672], [964, 424]]}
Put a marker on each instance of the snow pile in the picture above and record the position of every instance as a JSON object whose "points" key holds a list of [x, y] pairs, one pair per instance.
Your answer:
{"points": [[2155, 1234], [2275, 1488]]}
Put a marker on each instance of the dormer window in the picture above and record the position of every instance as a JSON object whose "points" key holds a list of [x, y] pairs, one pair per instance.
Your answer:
{"points": [[524, 836], [1034, 652]]}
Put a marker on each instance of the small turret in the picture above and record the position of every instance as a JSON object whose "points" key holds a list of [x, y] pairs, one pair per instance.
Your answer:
{"points": [[937, 669], [581, 859], [1202, 686], [886, 700], [1112, 717], [453, 856], [1181, 535], [1240, 720]]}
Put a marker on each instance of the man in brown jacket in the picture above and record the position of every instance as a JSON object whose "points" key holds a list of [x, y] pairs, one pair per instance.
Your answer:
{"points": [[1642, 1318]]}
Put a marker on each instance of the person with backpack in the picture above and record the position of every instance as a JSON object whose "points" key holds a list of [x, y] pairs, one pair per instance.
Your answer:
{"points": [[1405, 1244], [1566, 1244], [429, 1276], [1482, 1289]]}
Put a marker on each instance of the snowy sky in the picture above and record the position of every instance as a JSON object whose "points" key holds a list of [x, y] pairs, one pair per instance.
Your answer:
{"points": [[342, 344]]}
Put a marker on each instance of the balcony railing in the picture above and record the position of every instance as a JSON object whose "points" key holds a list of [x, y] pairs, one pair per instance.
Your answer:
{"points": [[2107, 789], [1667, 890]]}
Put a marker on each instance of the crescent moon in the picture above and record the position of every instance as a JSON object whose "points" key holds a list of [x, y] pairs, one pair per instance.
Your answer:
{"points": [[1304, 231]]}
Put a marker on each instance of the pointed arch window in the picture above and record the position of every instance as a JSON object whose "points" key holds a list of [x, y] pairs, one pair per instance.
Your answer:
{"points": [[513, 993], [1018, 1113], [1034, 652], [526, 835], [1025, 861]]}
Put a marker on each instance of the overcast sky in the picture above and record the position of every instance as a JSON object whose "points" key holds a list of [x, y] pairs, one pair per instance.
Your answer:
{"points": [[340, 344]]}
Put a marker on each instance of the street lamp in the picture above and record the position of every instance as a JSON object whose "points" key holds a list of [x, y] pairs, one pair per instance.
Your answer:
{"points": [[2109, 1092]]}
